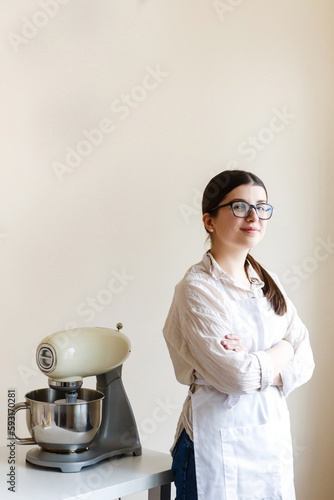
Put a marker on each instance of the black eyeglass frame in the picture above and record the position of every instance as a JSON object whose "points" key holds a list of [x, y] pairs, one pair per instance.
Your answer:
{"points": [[249, 211]]}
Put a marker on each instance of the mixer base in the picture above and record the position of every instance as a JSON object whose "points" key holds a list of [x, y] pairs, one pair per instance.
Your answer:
{"points": [[75, 461]]}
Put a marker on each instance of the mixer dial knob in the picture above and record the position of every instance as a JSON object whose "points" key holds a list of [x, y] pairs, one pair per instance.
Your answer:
{"points": [[46, 358]]}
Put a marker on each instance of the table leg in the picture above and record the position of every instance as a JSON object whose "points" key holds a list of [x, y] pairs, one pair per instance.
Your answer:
{"points": [[159, 493]]}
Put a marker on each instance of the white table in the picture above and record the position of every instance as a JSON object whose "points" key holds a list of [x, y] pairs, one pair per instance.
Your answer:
{"points": [[108, 480]]}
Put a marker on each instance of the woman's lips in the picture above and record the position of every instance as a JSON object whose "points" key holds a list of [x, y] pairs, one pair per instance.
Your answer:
{"points": [[250, 230]]}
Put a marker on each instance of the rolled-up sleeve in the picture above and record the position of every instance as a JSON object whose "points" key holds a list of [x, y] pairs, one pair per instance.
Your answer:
{"points": [[266, 369], [197, 323], [299, 370]]}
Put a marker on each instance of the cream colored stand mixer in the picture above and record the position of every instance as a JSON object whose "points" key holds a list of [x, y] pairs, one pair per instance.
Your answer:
{"points": [[72, 426]]}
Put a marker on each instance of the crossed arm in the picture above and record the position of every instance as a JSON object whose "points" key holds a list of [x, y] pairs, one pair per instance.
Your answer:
{"points": [[280, 354]]}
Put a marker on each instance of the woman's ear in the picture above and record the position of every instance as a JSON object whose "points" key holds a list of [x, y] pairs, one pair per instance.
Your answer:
{"points": [[208, 222]]}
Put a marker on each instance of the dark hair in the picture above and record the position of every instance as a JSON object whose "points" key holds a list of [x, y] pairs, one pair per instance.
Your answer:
{"points": [[214, 193], [222, 184]]}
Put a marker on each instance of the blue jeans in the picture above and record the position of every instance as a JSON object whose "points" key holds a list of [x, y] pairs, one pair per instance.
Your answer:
{"points": [[183, 468]]}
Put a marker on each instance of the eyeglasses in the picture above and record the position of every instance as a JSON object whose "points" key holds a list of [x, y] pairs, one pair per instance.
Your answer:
{"points": [[242, 209]]}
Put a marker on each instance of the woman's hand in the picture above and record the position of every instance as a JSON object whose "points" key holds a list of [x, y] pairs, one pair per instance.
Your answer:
{"points": [[278, 382], [233, 343]]}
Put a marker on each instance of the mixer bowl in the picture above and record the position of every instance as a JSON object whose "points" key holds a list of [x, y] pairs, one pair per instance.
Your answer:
{"points": [[58, 426]]}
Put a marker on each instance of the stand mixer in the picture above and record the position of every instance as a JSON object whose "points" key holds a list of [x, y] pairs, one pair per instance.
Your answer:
{"points": [[75, 427]]}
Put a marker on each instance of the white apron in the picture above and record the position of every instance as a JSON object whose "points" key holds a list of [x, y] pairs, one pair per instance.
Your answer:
{"points": [[242, 443]]}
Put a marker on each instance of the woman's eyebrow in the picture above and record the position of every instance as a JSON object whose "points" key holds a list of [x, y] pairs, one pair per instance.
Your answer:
{"points": [[241, 199]]}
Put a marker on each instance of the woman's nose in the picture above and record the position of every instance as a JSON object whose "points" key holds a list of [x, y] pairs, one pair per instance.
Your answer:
{"points": [[253, 214]]}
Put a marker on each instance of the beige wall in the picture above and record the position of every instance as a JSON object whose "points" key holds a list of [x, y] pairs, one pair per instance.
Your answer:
{"points": [[180, 90]]}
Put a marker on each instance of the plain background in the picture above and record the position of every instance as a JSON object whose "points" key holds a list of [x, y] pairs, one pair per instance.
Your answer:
{"points": [[106, 240]]}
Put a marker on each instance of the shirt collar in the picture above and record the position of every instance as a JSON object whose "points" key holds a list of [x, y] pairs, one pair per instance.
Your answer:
{"points": [[218, 273]]}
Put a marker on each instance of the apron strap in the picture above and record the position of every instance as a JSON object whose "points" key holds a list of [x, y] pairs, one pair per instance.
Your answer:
{"points": [[201, 381]]}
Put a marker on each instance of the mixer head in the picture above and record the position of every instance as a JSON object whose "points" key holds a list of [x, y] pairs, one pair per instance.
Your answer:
{"points": [[68, 356]]}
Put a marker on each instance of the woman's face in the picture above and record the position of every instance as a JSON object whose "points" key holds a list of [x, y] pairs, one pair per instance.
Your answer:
{"points": [[234, 232]]}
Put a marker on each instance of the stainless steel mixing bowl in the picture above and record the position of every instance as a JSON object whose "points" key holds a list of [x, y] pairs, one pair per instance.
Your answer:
{"points": [[58, 426]]}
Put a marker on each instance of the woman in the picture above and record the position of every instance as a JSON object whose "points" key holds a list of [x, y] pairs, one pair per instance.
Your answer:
{"points": [[236, 340]]}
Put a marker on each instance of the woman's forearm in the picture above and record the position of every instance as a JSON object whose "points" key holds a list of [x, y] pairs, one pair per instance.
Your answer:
{"points": [[280, 355]]}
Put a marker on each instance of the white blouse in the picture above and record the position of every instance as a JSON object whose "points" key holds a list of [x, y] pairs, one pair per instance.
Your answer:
{"points": [[198, 320]]}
